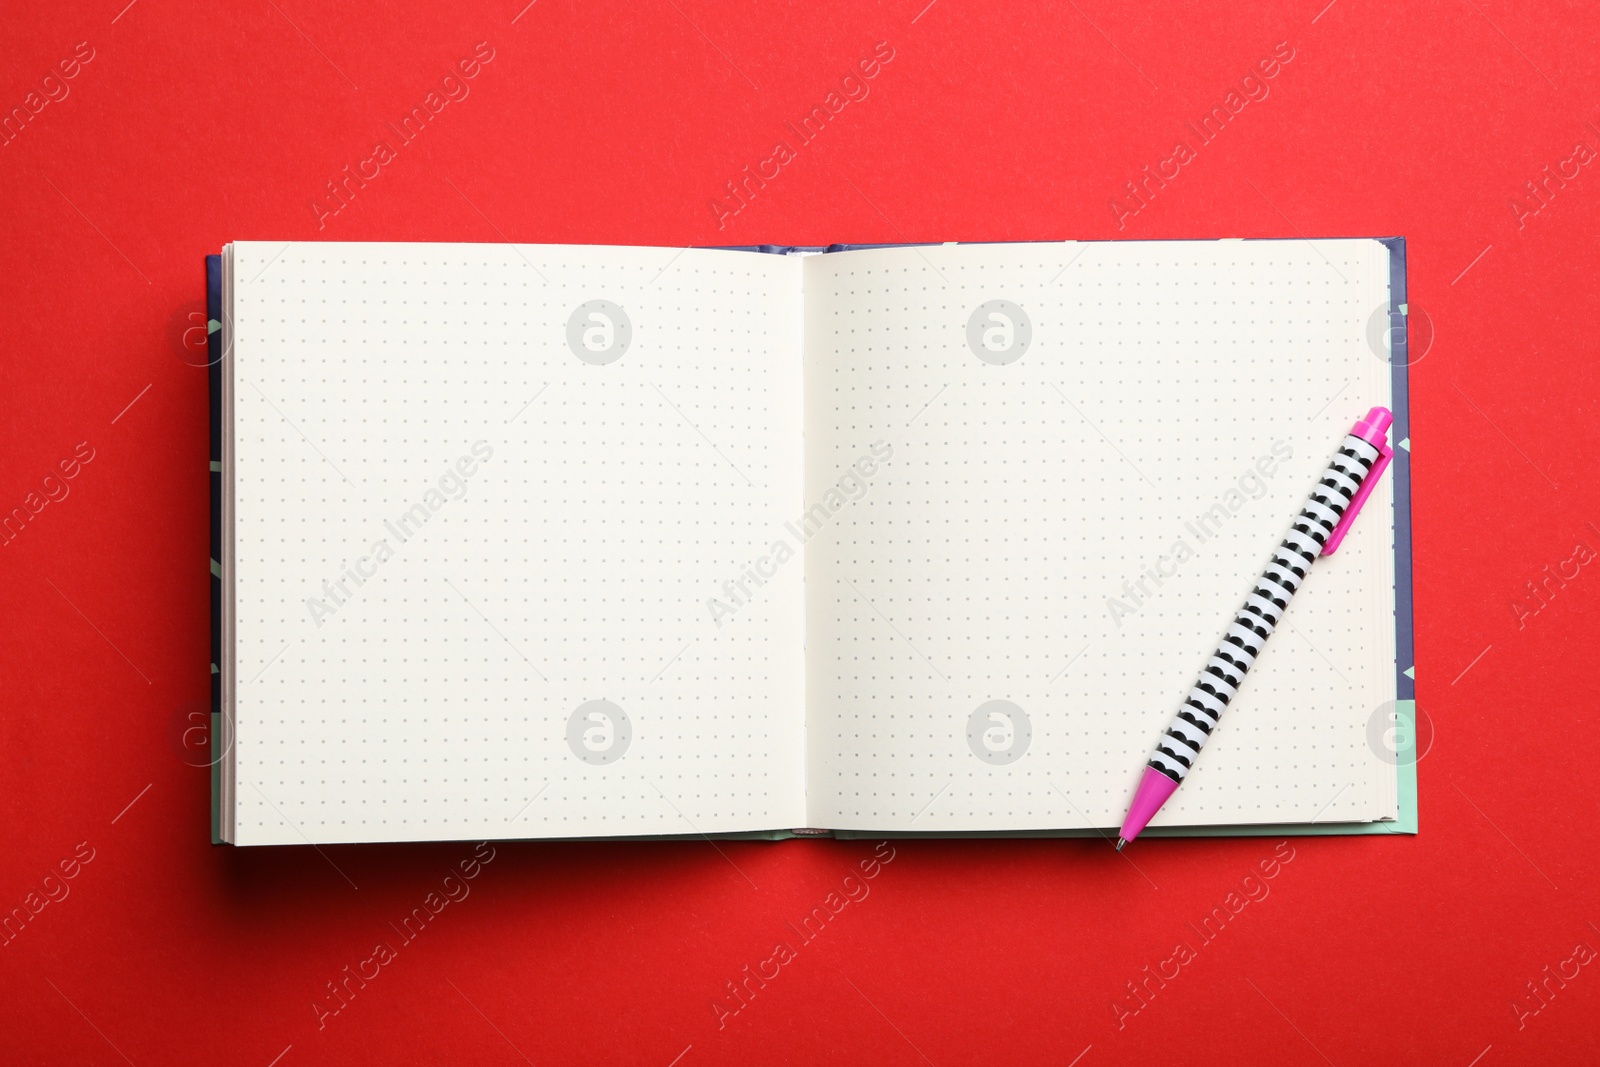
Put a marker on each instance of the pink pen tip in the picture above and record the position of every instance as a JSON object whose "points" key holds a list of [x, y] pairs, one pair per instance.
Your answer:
{"points": [[1154, 789]]}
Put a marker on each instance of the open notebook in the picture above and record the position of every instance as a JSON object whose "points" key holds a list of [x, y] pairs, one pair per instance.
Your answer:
{"points": [[575, 541]]}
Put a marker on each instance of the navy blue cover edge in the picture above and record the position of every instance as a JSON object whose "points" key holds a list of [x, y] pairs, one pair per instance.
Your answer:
{"points": [[214, 417], [1400, 358]]}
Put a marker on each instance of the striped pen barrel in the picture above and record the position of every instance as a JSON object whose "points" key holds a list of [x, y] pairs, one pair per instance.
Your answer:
{"points": [[1318, 529]]}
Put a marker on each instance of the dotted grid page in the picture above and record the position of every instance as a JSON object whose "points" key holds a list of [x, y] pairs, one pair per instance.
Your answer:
{"points": [[483, 495], [1060, 469]]}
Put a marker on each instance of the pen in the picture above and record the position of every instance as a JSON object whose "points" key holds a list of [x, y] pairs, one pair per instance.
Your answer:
{"points": [[1318, 529]]}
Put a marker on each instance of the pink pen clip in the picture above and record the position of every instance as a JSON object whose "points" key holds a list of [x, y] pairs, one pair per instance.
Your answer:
{"points": [[1374, 430]]}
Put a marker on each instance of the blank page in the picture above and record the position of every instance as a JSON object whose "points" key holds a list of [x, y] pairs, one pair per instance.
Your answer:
{"points": [[521, 471], [1095, 448]]}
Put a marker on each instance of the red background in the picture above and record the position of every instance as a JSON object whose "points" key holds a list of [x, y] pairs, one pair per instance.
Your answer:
{"points": [[618, 122]]}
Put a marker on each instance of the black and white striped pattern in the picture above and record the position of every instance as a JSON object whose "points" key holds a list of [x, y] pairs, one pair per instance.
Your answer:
{"points": [[1265, 605]]}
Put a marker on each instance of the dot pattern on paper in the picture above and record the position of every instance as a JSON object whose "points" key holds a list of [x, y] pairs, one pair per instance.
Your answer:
{"points": [[553, 529], [1161, 384]]}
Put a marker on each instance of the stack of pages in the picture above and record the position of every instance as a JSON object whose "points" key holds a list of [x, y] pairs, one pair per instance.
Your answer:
{"points": [[524, 541]]}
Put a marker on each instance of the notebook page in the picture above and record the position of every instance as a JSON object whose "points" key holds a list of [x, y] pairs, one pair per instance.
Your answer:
{"points": [[1092, 451], [482, 495]]}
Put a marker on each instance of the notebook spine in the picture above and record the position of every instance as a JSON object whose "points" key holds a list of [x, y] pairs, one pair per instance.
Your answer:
{"points": [[214, 483], [1202, 710]]}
